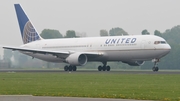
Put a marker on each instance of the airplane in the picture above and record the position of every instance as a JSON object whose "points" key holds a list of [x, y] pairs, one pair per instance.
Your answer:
{"points": [[131, 49]]}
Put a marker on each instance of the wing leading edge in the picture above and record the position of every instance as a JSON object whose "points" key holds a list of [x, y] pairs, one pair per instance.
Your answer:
{"points": [[59, 54]]}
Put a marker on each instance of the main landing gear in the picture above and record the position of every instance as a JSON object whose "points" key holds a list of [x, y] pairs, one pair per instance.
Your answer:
{"points": [[155, 68], [104, 67], [70, 68]]}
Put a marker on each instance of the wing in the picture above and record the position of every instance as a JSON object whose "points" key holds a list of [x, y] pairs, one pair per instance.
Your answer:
{"points": [[59, 54]]}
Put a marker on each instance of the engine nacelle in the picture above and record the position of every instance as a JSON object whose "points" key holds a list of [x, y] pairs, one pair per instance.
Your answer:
{"points": [[77, 59], [135, 63]]}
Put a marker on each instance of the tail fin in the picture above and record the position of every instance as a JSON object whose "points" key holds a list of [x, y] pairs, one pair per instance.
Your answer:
{"points": [[28, 32]]}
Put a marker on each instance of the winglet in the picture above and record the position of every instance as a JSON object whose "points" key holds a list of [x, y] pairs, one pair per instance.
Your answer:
{"points": [[28, 32]]}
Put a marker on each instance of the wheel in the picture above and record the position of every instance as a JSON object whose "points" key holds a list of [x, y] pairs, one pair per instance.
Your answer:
{"points": [[70, 68], [74, 68], [154, 69], [66, 68], [108, 68], [99, 68], [104, 68]]}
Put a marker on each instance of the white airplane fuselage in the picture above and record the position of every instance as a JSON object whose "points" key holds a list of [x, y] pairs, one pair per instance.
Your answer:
{"points": [[131, 49], [114, 48]]}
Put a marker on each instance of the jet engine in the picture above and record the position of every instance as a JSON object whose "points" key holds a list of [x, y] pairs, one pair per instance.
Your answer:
{"points": [[134, 63], [77, 59]]}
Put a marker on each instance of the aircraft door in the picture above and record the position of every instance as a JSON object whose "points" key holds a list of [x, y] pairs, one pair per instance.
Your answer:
{"points": [[143, 44]]}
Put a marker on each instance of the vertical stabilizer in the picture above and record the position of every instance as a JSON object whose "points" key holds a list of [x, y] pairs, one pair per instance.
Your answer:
{"points": [[28, 32]]}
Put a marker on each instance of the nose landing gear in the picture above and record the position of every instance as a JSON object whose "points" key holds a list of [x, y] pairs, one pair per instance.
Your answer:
{"points": [[155, 68]]}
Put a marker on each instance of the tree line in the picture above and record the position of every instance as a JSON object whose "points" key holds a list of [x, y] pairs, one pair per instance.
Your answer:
{"points": [[171, 61]]}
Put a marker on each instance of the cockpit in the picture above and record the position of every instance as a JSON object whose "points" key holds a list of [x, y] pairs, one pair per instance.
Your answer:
{"points": [[160, 42]]}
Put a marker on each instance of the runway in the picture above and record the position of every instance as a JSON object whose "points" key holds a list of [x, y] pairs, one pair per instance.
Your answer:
{"points": [[42, 98], [79, 99], [95, 71]]}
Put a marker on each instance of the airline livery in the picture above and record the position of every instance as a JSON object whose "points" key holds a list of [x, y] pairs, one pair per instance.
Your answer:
{"points": [[133, 50]]}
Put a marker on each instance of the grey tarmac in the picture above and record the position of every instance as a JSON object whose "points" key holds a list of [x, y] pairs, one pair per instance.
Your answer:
{"points": [[96, 71], [78, 99], [42, 98]]}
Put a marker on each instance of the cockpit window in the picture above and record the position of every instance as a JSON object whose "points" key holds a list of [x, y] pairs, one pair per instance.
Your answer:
{"points": [[159, 42], [163, 42]]}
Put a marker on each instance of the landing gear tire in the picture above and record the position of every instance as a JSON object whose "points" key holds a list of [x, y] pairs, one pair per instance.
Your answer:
{"points": [[104, 68], [99, 68], [108, 68], [66, 68], [70, 68], [74, 68], [155, 69]]}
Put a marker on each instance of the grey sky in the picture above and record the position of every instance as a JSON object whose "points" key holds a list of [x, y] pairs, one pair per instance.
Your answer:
{"points": [[89, 16]]}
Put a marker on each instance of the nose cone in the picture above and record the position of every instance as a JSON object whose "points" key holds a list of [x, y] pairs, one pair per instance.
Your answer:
{"points": [[164, 50], [168, 47]]}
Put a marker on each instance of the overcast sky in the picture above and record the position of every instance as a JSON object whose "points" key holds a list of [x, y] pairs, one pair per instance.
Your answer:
{"points": [[89, 16]]}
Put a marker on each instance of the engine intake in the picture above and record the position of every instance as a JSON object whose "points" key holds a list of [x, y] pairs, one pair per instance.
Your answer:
{"points": [[77, 59]]}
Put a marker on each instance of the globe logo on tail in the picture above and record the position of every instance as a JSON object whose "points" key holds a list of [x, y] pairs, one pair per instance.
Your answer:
{"points": [[29, 33]]}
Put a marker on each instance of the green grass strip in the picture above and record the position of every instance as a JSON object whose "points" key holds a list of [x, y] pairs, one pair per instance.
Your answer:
{"points": [[98, 85]]}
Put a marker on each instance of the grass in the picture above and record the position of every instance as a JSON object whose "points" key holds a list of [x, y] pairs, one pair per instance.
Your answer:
{"points": [[100, 85]]}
